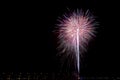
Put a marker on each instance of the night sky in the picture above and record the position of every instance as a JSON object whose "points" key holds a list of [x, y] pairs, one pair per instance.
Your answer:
{"points": [[29, 44]]}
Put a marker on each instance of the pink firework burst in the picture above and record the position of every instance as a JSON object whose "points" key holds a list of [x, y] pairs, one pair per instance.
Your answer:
{"points": [[75, 31]]}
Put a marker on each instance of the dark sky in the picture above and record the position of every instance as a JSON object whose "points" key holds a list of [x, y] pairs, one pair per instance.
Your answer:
{"points": [[28, 43]]}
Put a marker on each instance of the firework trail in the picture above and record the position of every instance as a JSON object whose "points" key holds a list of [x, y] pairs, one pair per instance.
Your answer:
{"points": [[75, 31]]}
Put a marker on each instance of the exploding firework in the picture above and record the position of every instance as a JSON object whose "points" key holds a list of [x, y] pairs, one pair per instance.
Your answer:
{"points": [[75, 31]]}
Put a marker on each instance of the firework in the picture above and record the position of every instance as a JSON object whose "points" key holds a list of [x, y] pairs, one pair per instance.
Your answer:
{"points": [[75, 30]]}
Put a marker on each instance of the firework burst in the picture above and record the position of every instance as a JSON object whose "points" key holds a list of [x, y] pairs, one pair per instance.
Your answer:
{"points": [[75, 31]]}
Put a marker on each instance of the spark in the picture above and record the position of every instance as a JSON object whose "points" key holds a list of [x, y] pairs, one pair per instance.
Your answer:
{"points": [[75, 31]]}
